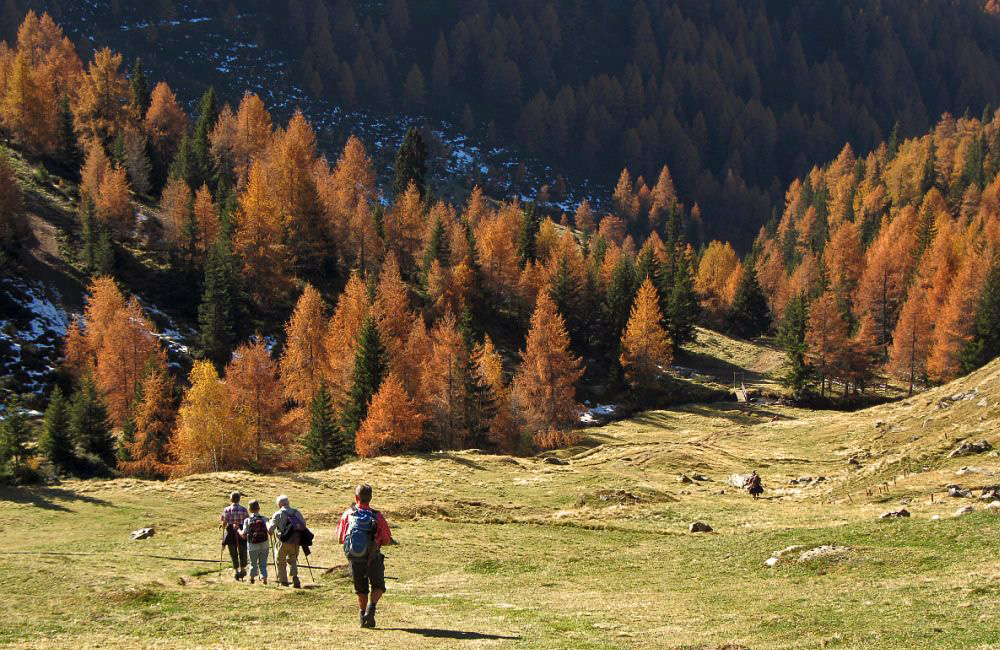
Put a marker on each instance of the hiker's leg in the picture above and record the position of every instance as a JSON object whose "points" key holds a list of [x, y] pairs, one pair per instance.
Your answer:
{"points": [[293, 560], [376, 576], [359, 575], [243, 554], [282, 557], [234, 555], [254, 561]]}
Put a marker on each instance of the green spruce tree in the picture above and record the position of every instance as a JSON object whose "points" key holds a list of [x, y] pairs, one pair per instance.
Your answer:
{"points": [[792, 338], [56, 442], [985, 343], [411, 163], [15, 437], [370, 368], [68, 155], [90, 426], [324, 441], [218, 310], [531, 222], [749, 315], [683, 307], [139, 93]]}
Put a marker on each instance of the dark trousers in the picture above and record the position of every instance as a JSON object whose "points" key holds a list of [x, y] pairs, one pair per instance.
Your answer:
{"points": [[238, 553]]}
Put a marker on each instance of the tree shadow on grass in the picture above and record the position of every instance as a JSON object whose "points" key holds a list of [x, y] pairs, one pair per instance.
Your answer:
{"points": [[45, 498], [460, 635]]}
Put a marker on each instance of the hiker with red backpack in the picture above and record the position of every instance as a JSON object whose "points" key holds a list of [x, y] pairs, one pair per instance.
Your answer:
{"points": [[364, 532], [290, 526], [231, 521], [255, 533]]}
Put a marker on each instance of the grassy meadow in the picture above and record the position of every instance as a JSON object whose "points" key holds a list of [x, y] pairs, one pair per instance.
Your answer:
{"points": [[502, 552]]}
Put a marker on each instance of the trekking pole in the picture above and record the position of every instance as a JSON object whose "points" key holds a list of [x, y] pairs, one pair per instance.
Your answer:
{"points": [[311, 576], [274, 553]]}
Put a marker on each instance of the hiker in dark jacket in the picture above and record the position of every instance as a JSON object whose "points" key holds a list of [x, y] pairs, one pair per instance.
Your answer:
{"points": [[231, 521], [364, 532], [753, 485], [289, 524]]}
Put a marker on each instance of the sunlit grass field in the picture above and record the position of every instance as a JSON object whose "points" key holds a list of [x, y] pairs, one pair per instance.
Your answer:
{"points": [[520, 553]]}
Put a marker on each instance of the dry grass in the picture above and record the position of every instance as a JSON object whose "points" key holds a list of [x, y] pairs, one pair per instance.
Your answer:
{"points": [[512, 552]]}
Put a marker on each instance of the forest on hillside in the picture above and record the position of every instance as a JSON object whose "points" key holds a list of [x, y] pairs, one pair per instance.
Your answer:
{"points": [[736, 98], [338, 318]]}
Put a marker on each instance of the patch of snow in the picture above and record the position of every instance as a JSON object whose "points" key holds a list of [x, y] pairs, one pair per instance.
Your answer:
{"points": [[594, 414]]}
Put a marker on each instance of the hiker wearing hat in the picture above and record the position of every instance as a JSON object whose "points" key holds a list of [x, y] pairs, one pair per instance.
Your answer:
{"points": [[231, 522], [254, 531], [289, 524], [364, 532]]}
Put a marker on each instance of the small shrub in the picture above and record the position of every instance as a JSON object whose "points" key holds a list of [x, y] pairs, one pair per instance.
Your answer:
{"points": [[556, 439]]}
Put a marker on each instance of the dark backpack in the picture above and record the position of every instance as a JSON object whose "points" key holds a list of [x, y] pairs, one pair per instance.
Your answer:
{"points": [[294, 525], [360, 537], [257, 531]]}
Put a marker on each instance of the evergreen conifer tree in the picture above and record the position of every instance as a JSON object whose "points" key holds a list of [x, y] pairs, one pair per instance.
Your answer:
{"points": [[15, 435], [436, 247], [683, 306], [411, 163], [528, 235], [90, 426], [985, 343], [618, 302], [218, 309], [792, 337], [68, 154], [324, 441], [56, 442], [370, 367], [139, 93], [749, 315]]}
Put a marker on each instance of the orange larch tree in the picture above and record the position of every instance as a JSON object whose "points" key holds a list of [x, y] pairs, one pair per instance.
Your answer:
{"points": [[545, 384], [488, 366], [954, 324], [444, 379], [392, 310], [259, 239], [154, 416], [393, 423], [826, 339], [911, 339], [207, 217], [175, 203], [99, 110], [128, 350], [304, 363], [211, 436], [342, 336], [95, 167], [646, 346], [252, 380], [165, 122], [718, 277], [113, 203]]}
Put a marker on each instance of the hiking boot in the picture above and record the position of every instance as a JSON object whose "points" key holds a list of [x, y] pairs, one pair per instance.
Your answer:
{"points": [[236, 576], [263, 580], [368, 618], [251, 579], [362, 618], [295, 583], [283, 583]]}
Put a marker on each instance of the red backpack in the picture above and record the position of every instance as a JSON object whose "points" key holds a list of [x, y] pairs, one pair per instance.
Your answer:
{"points": [[257, 531]]}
